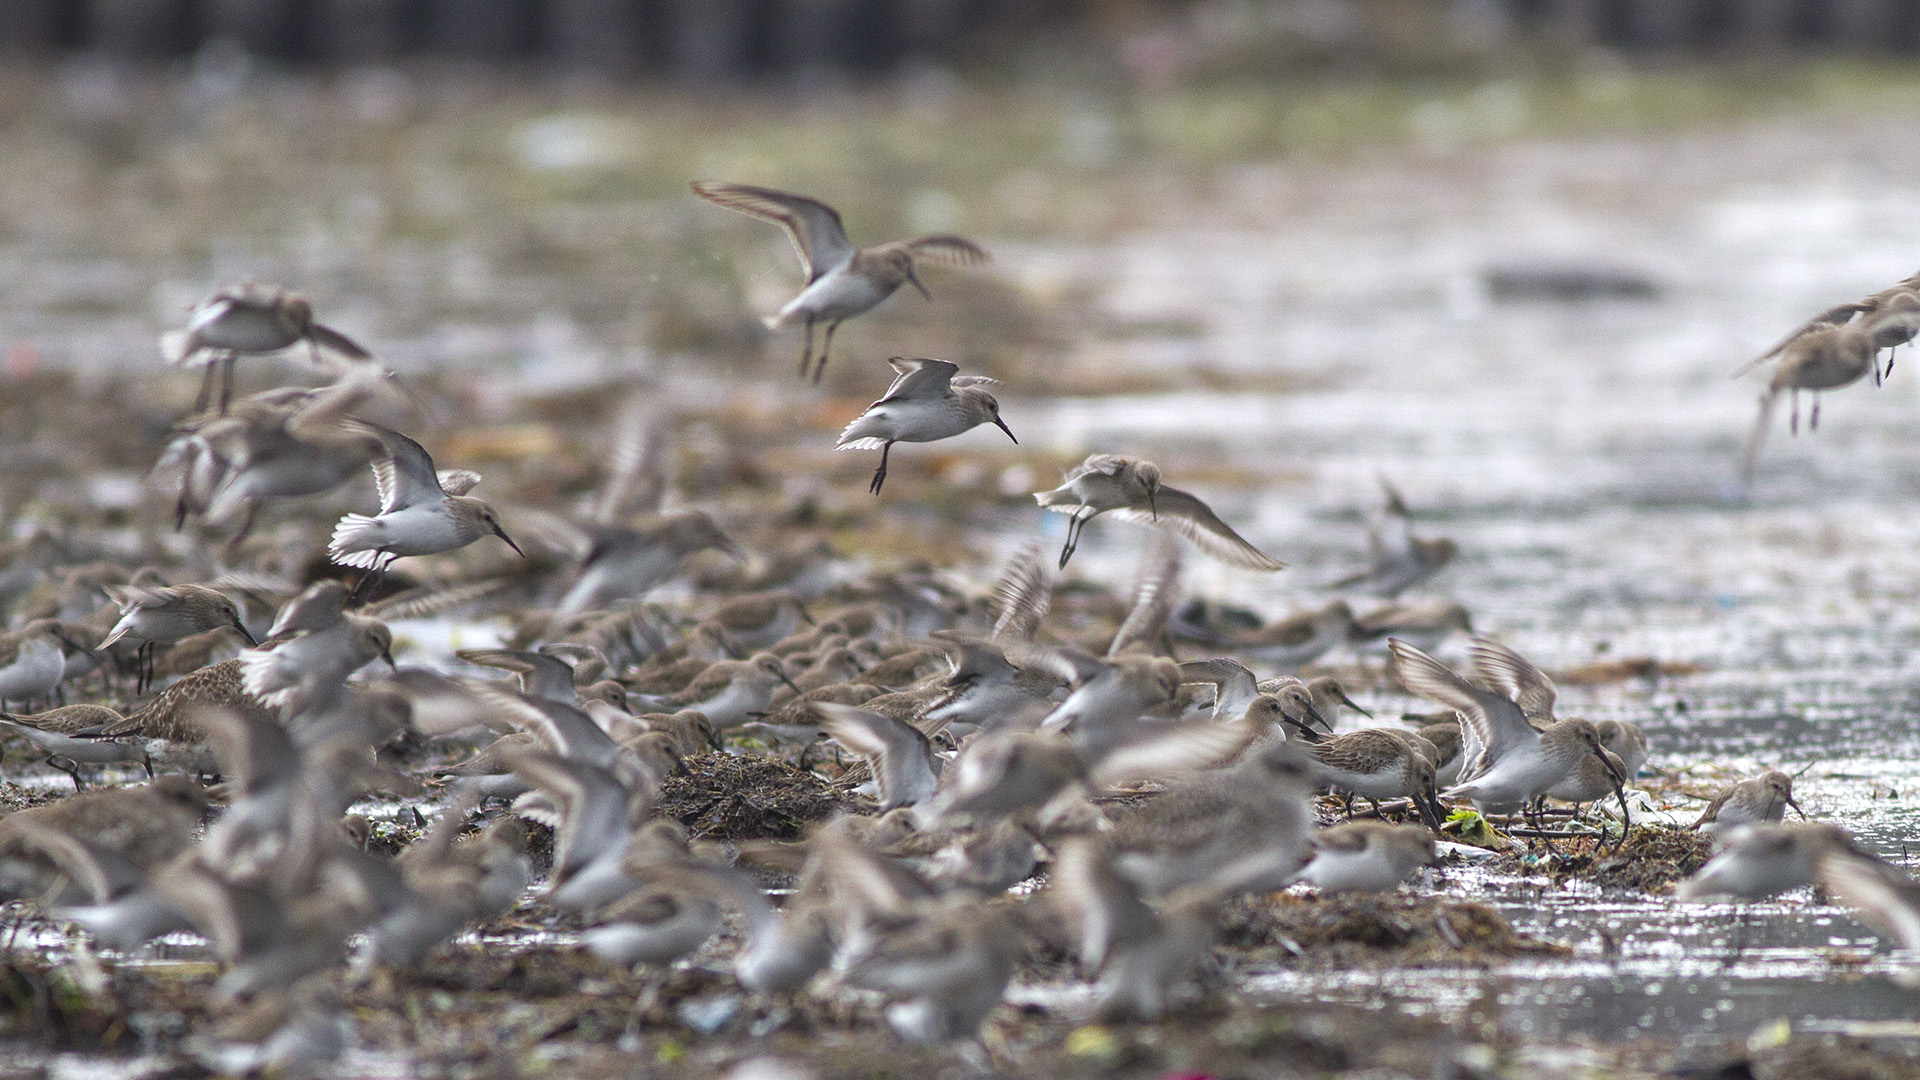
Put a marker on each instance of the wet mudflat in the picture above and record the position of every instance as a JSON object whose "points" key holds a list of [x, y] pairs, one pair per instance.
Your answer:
{"points": [[1274, 333]]}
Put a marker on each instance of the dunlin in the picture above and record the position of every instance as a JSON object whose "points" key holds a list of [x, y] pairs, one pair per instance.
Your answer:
{"points": [[278, 446], [1627, 741], [842, 281], [627, 563], [1895, 300], [538, 674], [1445, 737], [1367, 856], [246, 320], [1508, 762], [927, 402], [1825, 357], [1234, 686], [1592, 779], [1884, 897], [834, 667], [1297, 640], [1243, 828], [84, 882], [1107, 694], [729, 692], [1131, 489], [753, 621], [898, 753], [142, 826], [1104, 909], [592, 823], [984, 689], [162, 616], [1397, 560], [421, 512], [450, 886], [1764, 798], [1003, 773], [1329, 694], [861, 893], [293, 1033], [1156, 588], [656, 924], [985, 686], [60, 735], [33, 661], [1380, 763], [1137, 954], [1761, 860], [783, 950], [903, 668], [308, 662], [1284, 713], [1424, 624], [946, 971]]}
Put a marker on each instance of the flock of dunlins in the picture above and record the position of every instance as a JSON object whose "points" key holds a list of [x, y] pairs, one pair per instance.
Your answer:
{"points": [[989, 738]]}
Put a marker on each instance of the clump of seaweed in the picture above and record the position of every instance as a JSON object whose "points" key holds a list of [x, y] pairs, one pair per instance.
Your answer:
{"points": [[1377, 931], [1650, 860], [748, 797]]}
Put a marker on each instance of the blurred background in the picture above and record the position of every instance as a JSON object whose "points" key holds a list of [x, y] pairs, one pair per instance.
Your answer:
{"points": [[698, 40]]}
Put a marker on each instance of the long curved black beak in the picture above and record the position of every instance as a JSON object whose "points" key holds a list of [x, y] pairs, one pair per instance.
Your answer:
{"points": [[1153, 507], [795, 687], [1354, 705], [1796, 808], [245, 633], [386, 653], [1428, 802], [502, 534], [1613, 771], [75, 646], [1619, 792], [1315, 714], [1002, 425], [918, 284]]}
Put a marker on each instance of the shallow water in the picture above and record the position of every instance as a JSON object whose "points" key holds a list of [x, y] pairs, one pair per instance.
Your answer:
{"points": [[1582, 455]]}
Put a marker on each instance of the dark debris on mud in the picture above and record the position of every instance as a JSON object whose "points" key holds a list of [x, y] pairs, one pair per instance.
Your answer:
{"points": [[1389, 930], [749, 797], [17, 797], [1650, 861]]}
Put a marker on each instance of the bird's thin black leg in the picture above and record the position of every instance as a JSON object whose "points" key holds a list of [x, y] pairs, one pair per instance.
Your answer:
{"points": [[880, 474], [826, 349]]}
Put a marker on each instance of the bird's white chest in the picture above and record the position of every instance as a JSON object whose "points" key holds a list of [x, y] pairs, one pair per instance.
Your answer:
{"points": [[839, 294], [423, 530], [36, 669]]}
